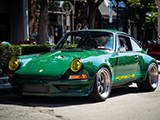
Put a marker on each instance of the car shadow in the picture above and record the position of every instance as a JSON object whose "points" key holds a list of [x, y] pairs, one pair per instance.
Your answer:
{"points": [[123, 91], [60, 101]]}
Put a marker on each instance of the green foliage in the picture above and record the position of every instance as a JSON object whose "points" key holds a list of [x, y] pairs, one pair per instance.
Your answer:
{"points": [[151, 26], [152, 20], [144, 16], [29, 49], [140, 8], [7, 52]]}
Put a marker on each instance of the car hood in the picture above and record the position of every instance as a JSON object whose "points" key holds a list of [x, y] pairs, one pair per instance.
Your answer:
{"points": [[55, 63]]}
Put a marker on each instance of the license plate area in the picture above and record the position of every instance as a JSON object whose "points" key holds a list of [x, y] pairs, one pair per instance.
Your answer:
{"points": [[36, 88]]}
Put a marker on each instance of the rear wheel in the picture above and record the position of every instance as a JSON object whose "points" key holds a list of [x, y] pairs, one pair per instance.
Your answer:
{"points": [[102, 86], [151, 82]]}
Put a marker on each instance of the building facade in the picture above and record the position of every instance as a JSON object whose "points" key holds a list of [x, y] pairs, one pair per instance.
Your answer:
{"points": [[14, 20]]}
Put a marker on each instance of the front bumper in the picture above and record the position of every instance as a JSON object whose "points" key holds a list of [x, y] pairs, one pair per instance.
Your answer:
{"points": [[52, 88]]}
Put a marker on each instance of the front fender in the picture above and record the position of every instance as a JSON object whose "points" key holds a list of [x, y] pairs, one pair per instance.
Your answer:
{"points": [[94, 64]]}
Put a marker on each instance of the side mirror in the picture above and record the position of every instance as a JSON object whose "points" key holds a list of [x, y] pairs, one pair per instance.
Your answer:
{"points": [[121, 49], [145, 49]]}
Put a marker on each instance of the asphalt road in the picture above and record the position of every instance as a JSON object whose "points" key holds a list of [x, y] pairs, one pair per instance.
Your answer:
{"points": [[123, 104]]}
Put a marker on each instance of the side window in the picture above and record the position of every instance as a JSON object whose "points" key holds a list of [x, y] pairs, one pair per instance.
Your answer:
{"points": [[135, 45], [125, 42]]}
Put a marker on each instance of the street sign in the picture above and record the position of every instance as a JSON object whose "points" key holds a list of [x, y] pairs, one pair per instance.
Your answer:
{"points": [[110, 13], [67, 7], [67, 20]]}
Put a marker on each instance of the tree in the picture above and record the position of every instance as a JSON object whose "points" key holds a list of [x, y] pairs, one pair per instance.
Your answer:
{"points": [[31, 9], [151, 26], [141, 11], [43, 22], [93, 7]]}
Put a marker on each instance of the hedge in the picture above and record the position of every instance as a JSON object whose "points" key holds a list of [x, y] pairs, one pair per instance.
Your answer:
{"points": [[30, 49], [8, 52]]}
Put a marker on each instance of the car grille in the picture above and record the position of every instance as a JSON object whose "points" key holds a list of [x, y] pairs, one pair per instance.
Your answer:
{"points": [[35, 88]]}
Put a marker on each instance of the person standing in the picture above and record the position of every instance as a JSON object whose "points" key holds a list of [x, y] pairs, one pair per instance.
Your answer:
{"points": [[34, 34], [85, 27], [79, 26]]}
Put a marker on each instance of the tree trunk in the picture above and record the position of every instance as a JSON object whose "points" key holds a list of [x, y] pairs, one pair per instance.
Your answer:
{"points": [[93, 6], [31, 9], [92, 16], [43, 23]]}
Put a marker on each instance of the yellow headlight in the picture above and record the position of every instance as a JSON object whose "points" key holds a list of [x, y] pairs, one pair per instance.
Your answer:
{"points": [[76, 65], [13, 64]]}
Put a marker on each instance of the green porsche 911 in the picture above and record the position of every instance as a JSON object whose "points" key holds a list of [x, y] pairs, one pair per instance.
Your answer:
{"points": [[85, 63]]}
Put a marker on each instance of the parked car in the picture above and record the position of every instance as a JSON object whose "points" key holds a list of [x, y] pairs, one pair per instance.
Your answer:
{"points": [[85, 63], [153, 49]]}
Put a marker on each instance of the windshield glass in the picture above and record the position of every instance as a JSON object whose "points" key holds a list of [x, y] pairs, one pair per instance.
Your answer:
{"points": [[86, 40]]}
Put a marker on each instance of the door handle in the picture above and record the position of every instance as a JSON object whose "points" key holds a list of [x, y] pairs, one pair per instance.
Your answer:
{"points": [[136, 57]]}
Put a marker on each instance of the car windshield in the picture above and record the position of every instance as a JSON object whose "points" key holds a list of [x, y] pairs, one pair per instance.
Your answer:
{"points": [[86, 40]]}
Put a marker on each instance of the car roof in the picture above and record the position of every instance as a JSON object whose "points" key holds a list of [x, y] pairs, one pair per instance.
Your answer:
{"points": [[102, 30]]}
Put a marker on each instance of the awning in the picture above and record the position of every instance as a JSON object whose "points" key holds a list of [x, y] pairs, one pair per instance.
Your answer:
{"points": [[104, 10]]}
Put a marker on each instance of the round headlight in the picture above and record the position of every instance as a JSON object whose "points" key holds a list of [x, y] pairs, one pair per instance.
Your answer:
{"points": [[14, 64], [76, 65]]}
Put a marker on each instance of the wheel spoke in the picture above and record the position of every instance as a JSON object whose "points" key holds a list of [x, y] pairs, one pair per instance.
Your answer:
{"points": [[100, 84], [100, 89], [102, 81]]}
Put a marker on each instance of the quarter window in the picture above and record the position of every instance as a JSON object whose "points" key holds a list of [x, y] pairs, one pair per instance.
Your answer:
{"points": [[135, 46]]}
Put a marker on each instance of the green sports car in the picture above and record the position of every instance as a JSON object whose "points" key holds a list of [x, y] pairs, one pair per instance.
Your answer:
{"points": [[85, 63]]}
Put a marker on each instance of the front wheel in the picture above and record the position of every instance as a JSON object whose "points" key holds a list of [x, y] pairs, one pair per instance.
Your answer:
{"points": [[151, 82], [102, 86]]}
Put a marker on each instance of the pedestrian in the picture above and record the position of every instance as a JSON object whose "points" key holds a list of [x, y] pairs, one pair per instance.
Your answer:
{"points": [[79, 26], [85, 27], [34, 34]]}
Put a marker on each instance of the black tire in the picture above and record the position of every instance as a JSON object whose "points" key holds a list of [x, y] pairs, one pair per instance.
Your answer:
{"points": [[151, 82], [102, 86]]}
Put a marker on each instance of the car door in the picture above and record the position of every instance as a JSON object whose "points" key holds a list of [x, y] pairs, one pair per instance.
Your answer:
{"points": [[126, 60]]}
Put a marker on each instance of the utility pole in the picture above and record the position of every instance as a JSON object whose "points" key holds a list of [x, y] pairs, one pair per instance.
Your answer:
{"points": [[117, 15]]}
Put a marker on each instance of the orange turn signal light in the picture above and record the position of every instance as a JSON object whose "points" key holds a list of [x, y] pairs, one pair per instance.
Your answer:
{"points": [[77, 77]]}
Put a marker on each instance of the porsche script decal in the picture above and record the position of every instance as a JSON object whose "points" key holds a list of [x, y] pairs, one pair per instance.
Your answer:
{"points": [[125, 77]]}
